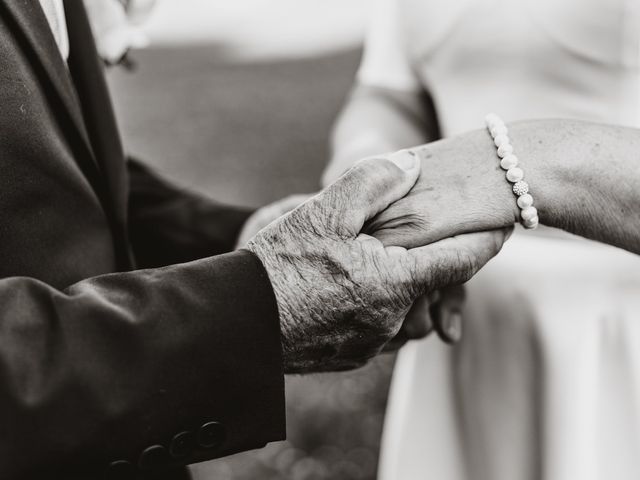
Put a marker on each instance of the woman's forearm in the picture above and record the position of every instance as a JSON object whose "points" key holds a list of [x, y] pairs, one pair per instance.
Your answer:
{"points": [[584, 177]]}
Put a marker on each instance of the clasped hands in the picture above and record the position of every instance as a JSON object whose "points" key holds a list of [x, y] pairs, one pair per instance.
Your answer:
{"points": [[348, 264]]}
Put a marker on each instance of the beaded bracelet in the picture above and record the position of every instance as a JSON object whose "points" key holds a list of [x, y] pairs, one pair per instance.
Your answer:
{"points": [[515, 175]]}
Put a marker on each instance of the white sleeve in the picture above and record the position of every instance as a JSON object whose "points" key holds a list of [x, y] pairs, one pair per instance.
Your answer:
{"points": [[385, 62]]}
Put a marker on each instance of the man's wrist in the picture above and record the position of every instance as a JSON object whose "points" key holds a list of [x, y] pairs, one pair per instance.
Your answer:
{"points": [[283, 284]]}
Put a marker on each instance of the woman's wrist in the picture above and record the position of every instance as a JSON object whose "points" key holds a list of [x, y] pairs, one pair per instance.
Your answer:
{"points": [[548, 167], [463, 188], [488, 182], [583, 178]]}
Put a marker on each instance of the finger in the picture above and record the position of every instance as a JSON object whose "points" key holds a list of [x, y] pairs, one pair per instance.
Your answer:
{"points": [[447, 314], [451, 297], [450, 326], [455, 260], [367, 189], [434, 296], [418, 322]]}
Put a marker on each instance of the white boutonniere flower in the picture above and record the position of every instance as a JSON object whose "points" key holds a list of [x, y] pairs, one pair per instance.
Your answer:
{"points": [[116, 26]]}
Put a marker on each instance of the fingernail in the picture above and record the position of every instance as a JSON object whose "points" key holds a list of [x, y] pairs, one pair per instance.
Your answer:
{"points": [[452, 326], [405, 159]]}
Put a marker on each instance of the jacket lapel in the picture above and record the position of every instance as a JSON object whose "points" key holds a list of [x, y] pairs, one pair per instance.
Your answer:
{"points": [[32, 23], [101, 158], [91, 87]]}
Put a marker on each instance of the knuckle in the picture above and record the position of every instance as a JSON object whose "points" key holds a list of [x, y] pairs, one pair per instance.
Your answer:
{"points": [[297, 217], [361, 170], [389, 333], [316, 218], [379, 170]]}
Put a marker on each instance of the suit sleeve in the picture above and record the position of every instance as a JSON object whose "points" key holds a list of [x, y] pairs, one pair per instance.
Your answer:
{"points": [[170, 225], [151, 369]]}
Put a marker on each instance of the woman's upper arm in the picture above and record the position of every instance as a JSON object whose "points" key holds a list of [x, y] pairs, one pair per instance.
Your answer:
{"points": [[385, 61]]}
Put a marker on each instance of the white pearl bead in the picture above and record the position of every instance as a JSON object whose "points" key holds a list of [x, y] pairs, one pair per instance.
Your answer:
{"points": [[515, 174], [504, 150], [509, 161], [531, 224], [493, 126], [498, 129], [525, 201], [492, 118], [529, 213], [501, 140], [521, 188]]}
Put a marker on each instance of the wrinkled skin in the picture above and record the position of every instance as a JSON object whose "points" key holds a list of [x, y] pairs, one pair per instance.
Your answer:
{"points": [[343, 295], [461, 189]]}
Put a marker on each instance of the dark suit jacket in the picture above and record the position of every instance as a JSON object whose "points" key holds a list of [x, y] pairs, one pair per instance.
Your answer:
{"points": [[152, 369]]}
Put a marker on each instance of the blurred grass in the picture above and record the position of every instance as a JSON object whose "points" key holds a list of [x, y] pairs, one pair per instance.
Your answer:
{"points": [[247, 134]]}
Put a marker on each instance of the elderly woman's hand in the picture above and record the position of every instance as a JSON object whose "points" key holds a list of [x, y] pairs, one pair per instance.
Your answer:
{"points": [[461, 189]]}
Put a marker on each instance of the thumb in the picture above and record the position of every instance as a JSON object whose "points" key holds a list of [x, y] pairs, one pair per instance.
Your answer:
{"points": [[366, 189], [455, 260]]}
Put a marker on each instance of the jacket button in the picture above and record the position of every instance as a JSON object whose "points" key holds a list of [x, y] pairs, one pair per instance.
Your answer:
{"points": [[121, 470], [153, 457], [182, 444], [211, 435]]}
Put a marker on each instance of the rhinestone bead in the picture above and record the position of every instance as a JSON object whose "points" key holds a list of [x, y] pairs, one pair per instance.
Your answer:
{"points": [[525, 201], [505, 149], [514, 174], [521, 188], [508, 162]]}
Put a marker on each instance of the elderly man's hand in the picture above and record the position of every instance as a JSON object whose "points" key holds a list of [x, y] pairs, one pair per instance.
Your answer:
{"points": [[343, 295]]}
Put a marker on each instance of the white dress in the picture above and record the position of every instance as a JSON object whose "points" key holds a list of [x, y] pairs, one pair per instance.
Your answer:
{"points": [[546, 383]]}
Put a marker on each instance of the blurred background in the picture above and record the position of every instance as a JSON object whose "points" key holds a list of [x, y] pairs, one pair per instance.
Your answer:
{"points": [[236, 100]]}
